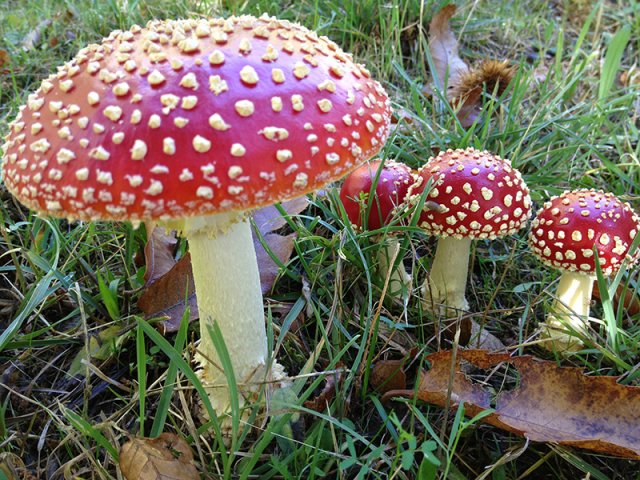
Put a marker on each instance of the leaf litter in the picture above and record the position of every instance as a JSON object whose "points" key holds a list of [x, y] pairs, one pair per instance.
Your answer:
{"points": [[167, 457], [541, 401]]}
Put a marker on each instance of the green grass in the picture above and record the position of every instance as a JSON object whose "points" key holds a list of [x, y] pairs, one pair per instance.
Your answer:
{"points": [[61, 282]]}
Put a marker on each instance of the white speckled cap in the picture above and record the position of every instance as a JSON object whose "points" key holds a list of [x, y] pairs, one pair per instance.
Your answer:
{"points": [[192, 117]]}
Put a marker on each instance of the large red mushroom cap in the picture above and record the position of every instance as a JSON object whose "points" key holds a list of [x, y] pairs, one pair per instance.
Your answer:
{"points": [[568, 228], [474, 194], [391, 188], [192, 117]]}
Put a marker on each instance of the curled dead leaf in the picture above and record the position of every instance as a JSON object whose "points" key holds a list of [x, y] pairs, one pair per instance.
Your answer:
{"points": [[545, 402], [465, 85], [443, 45], [167, 457], [158, 252], [169, 296], [281, 246], [321, 401]]}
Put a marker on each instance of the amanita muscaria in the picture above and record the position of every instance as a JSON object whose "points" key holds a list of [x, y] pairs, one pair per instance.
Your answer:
{"points": [[474, 195], [191, 124], [565, 235], [359, 197]]}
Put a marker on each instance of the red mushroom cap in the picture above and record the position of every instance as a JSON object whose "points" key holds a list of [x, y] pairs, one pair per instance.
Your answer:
{"points": [[474, 195], [391, 189], [568, 227], [192, 117]]}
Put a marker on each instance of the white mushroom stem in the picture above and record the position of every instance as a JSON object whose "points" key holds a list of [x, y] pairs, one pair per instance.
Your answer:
{"points": [[387, 255], [228, 291], [443, 290], [569, 313]]}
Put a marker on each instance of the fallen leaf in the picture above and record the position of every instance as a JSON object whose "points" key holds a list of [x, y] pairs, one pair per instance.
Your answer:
{"points": [[268, 219], [282, 247], [158, 252], [401, 115], [389, 375], [169, 295], [465, 85], [4, 61], [170, 287], [33, 38], [167, 457], [443, 46], [481, 338], [631, 301], [321, 402], [540, 73], [547, 403]]}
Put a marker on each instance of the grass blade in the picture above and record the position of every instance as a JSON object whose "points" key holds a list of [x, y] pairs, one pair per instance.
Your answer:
{"points": [[612, 60]]}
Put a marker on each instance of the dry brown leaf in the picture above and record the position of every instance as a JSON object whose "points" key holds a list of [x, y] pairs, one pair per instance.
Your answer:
{"points": [[5, 59], [464, 85], [389, 375], [166, 297], [630, 301], [169, 283], [548, 404], [282, 247], [158, 252], [268, 219], [481, 338], [167, 457], [321, 402], [443, 46], [32, 39]]}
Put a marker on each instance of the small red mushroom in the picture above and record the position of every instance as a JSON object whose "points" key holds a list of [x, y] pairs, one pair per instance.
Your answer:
{"points": [[474, 195], [565, 235], [392, 180], [191, 124]]}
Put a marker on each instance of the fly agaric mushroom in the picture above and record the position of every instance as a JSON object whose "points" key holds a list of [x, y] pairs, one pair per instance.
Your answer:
{"points": [[564, 235], [474, 195], [192, 124], [393, 180]]}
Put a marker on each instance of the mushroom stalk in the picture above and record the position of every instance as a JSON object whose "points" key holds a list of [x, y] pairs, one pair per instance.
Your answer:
{"points": [[569, 312], [443, 290], [228, 291], [387, 255]]}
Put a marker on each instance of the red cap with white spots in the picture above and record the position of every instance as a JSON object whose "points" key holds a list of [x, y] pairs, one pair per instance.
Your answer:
{"points": [[391, 189], [568, 227], [474, 194], [193, 117]]}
